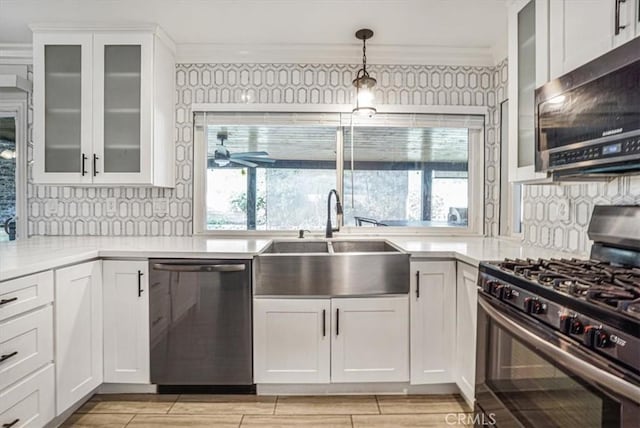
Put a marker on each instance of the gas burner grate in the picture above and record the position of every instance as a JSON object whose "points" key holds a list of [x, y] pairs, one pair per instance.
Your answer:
{"points": [[595, 281], [631, 308]]}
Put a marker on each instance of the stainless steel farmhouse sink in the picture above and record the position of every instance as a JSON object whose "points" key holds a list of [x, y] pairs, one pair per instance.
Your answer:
{"points": [[294, 247], [363, 247], [331, 268]]}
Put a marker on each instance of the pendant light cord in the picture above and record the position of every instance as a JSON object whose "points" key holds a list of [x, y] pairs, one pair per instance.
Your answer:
{"points": [[364, 56]]}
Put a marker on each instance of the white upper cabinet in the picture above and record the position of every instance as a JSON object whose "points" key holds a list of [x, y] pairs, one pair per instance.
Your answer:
{"points": [[62, 97], [636, 18], [104, 103], [528, 69], [582, 30], [123, 80], [433, 320]]}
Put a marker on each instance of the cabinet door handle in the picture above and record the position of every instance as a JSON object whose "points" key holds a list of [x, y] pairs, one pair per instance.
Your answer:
{"points": [[337, 322], [95, 164], [84, 167], [5, 357], [10, 424], [417, 284], [617, 17], [324, 322], [140, 290], [5, 301]]}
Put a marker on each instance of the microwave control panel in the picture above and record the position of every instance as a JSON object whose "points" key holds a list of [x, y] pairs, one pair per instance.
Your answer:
{"points": [[630, 146]]}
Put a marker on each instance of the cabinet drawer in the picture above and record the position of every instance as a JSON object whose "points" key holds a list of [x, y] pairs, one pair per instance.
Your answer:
{"points": [[23, 294], [29, 403], [26, 344]]}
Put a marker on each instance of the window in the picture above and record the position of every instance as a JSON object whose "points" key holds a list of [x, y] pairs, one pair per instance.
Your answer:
{"points": [[407, 173], [273, 171]]}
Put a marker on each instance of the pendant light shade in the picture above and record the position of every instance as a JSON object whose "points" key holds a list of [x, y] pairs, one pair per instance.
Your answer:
{"points": [[364, 83]]}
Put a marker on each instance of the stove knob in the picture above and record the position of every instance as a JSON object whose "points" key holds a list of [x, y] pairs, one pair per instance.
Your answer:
{"points": [[533, 306], [566, 322], [576, 327], [507, 293], [602, 339], [498, 290], [589, 335], [489, 286]]}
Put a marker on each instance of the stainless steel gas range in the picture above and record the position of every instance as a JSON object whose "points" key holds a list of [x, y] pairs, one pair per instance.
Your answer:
{"points": [[559, 339]]}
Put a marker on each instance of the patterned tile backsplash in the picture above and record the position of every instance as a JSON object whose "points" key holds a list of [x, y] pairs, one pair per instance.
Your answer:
{"points": [[544, 224], [61, 210]]}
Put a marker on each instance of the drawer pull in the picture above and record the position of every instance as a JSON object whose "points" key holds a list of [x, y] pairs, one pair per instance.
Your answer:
{"points": [[5, 357], [10, 424], [5, 301]]}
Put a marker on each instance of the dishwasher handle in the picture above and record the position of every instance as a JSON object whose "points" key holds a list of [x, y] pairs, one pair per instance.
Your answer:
{"points": [[183, 267]]}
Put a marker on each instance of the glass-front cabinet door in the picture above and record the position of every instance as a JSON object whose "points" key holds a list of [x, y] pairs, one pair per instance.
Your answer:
{"points": [[528, 69], [62, 100], [122, 121]]}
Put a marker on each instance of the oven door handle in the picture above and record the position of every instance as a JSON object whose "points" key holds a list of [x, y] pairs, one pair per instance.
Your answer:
{"points": [[575, 364]]}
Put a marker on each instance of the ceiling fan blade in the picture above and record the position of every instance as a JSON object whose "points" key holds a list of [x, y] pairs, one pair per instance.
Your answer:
{"points": [[244, 154], [243, 162], [255, 159]]}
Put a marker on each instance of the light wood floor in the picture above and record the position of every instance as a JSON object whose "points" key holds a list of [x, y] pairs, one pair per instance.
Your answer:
{"points": [[147, 410]]}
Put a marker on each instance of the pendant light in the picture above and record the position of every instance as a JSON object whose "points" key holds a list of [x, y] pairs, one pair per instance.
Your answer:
{"points": [[364, 83]]}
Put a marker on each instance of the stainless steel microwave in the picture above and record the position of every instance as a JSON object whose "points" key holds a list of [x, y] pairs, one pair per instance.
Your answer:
{"points": [[588, 121]]}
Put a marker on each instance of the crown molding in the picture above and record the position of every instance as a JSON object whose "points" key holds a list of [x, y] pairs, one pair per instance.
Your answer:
{"points": [[16, 53], [105, 26], [291, 53], [92, 26], [210, 53]]}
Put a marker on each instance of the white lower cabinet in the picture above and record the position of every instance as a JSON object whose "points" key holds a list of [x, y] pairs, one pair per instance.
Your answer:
{"points": [[26, 344], [331, 340], [292, 342], [433, 321], [24, 294], [370, 339], [78, 332], [29, 402], [467, 309], [126, 321]]}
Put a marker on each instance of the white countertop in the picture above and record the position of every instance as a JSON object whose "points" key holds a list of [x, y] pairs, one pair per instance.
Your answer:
{"points": [[42, 253]]}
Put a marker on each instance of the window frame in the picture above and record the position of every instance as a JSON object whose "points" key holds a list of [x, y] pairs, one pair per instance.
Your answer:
{"points": [[476, 170], [17, 109], [511, 197]]}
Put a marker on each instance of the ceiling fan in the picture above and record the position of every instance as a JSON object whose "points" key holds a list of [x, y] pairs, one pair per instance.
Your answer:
{"points": [[222, 156]]}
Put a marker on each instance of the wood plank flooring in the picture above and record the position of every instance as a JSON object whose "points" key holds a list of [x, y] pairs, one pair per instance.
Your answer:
{"points": [[195, 411]]}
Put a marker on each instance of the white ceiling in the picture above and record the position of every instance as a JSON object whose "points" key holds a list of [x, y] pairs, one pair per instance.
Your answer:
{"points": [[255, 28]]}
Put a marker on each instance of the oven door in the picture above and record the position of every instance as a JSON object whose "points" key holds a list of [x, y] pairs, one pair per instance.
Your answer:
{"points": [[529, 376]]}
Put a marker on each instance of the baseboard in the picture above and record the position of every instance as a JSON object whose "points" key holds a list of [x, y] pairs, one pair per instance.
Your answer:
{"points": [[399, 388], [59, 420], [126, 388]]}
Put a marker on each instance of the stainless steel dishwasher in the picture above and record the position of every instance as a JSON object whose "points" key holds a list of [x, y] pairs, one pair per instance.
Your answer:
{"points": [[200, 325]]}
